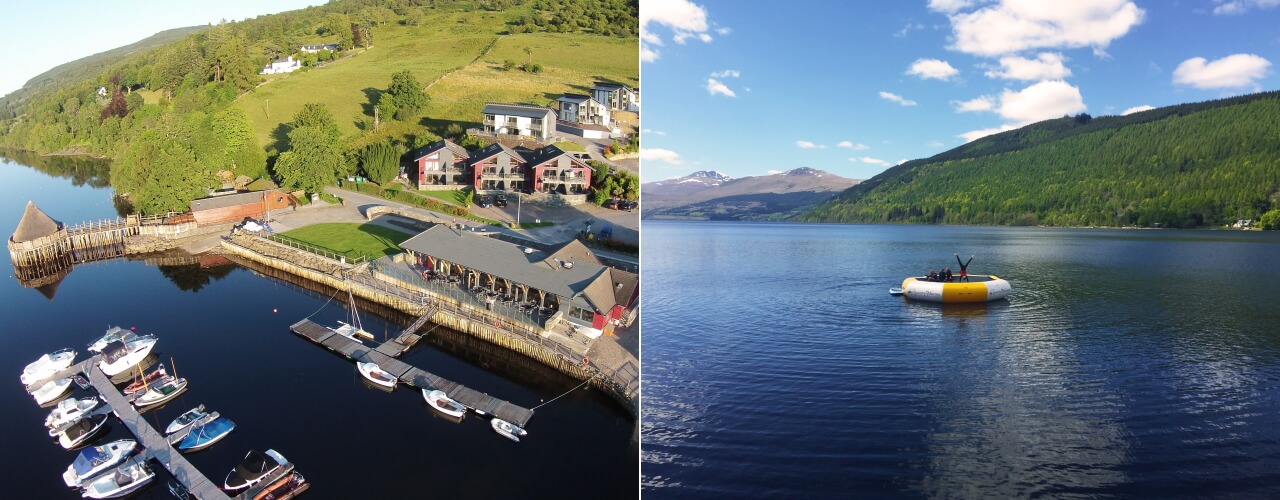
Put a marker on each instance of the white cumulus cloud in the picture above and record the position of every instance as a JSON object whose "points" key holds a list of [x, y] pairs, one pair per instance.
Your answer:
{"points": [[980, 103], [1241, 6], [662, 155], [932, 68], [1233, 71], [773, 172], [1013, 26], [937, 144], [852, 145], [1136, 109], [892, 97], [809, 145], [728, 73], [873, 161], [683, 18], [1044, 100], [974, 135], [1046, 66], [654, 132], [950, 6], [716, 87]]}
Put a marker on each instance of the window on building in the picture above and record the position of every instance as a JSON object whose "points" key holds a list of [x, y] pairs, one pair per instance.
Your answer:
{"points": [[581, 313]]}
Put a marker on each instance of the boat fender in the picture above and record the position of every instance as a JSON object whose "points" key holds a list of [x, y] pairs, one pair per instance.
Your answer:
{"points": [[584, 360], [424, 274]]}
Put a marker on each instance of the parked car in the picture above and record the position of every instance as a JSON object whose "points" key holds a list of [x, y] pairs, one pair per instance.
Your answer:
{"points": [[500, 200], [610, 203], [483, 202], [627, 205]]}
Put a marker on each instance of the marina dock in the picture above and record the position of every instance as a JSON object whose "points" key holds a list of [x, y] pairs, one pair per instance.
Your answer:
{"points": [[409, 374], [154, 443]]}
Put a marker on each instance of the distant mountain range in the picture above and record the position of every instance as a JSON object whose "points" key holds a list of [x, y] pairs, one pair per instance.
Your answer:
{"points": [[711, 195], [1191, 165]]}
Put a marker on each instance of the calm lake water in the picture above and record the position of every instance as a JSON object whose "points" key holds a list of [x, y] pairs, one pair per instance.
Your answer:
{"points": [[1126, 363], [219, 327]]}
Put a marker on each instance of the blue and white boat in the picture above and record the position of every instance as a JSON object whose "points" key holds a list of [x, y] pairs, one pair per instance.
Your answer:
{"points": [[202, 436], [96, 459]]}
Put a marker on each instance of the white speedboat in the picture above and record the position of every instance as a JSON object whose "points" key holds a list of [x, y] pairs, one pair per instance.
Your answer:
{"points": [[79, 433], [47, 366], [113, 334], [253, 469], [376, 374], [119, 356], [96, 459], [507, 429], [161, 393], [67, 411], [125, 479], [442, 403], [51, 390], [186, 419]]}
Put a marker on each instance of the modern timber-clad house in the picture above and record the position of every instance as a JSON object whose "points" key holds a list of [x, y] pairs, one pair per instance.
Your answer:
{"points": [[584, 109], [616, 96], [519, 120], [497, 167], [555, 171], [235, 207], [441, 165], [569, 278]]}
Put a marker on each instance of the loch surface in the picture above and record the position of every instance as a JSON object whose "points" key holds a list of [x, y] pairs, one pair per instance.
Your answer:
{"points": [[1125, 363]]}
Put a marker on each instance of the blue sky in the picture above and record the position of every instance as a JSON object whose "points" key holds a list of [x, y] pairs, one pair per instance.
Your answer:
{"points": [[750, 88], [39, 35]]}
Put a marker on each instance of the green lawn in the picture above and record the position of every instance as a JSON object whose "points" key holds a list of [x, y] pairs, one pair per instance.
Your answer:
{"points": [[570, 147], [452, 196], [351, 239]]}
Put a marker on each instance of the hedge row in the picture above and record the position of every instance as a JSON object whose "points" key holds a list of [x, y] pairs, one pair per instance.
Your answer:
{"points": [[408, 198]]}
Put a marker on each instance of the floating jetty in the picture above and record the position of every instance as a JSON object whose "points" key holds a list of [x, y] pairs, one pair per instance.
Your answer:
{"points": [[416, 377], [154, 443]]}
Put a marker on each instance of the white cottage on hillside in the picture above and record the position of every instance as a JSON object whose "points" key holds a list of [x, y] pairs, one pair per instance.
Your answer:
{"points": [[282, 66]]}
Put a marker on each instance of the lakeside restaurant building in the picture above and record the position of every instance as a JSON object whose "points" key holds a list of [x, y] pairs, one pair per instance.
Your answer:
{"points": [[568, 278]]}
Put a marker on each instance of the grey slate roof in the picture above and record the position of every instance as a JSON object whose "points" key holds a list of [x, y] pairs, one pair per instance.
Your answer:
{"points": [[574, 98], [427, 150], [525, 110], [226, 200], [548, 153], [35, 224], [609, 86], [583, 279], [486, 152]]}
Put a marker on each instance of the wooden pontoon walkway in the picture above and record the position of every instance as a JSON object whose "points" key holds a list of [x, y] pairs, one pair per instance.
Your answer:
{"points": [[411, 375], [155, 444]]}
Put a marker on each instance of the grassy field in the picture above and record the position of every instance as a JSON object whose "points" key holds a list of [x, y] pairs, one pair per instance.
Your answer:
{"points": [[453, 196], [351, 239], [458, 56]]}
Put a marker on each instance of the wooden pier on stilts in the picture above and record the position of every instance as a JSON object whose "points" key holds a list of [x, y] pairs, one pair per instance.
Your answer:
{"points": [[416, 377]]}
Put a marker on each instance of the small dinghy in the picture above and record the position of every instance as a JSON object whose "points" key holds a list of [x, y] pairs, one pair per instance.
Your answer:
{"points": [[179, 491], [253, 469], [203, 435], [376, 374], [507, 429], [157, 375], [68, 411], [96, 459], [119, 356], [288, 486], [895, 291], [47, 366], [161, 393], [442, 403], [185, 420], [125, 479], [51, 391], [79, 433]]}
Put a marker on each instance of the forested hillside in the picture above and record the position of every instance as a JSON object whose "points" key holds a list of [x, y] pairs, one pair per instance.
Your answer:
{"points": [[1191, 165], [180, 117]]}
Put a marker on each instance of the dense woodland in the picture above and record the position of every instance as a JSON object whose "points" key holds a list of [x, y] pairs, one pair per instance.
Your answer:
{"points": [[1193, 165], [169, 148]]}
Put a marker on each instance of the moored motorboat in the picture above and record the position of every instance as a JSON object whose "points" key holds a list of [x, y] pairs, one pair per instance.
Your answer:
{"points": [[122, 481], [181, 433], [119, 355], [47, 365], [508, 429], [96, 459], [288, 486], [895, 291], [52, 390], [442, 403], [161, 393], [376, 374], [204, 435], [978, 289], [79, 433], [253, 469], [113, 334], [139, 385], [179, 491], [185, 419], [67, 411]]}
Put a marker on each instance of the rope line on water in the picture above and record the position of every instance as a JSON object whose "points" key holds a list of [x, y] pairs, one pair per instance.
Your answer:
{"points": [[335, 294], [584, 382]]}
